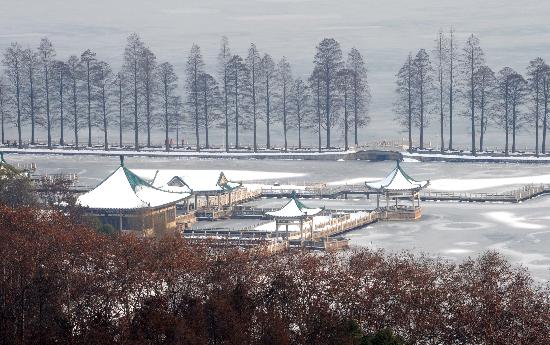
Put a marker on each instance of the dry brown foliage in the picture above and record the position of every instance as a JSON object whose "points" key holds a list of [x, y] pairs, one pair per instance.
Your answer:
{"points": [[63, 283]]}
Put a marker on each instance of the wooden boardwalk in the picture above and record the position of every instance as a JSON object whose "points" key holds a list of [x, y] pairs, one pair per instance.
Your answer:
{"points": [[334, 192]]}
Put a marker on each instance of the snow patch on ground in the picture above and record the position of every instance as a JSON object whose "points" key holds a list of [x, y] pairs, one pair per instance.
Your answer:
{"points": [[452, 185], [512, 220]]}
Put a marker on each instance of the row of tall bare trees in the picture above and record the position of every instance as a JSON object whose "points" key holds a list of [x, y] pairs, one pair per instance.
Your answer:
{"points": [[429, 87], [83, 93]]}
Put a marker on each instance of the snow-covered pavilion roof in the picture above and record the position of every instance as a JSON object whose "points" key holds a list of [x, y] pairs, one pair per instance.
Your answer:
{"points": [[124, 190], [398, 180], [197, 181], [294, 208], [6, 166]]}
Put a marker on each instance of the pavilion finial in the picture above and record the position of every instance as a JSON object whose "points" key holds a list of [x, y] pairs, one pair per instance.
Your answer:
{"points": [[121, 160], [293, 195]]}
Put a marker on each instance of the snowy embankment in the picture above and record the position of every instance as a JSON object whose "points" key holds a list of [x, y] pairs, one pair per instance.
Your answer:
{"points": [[480, 158], [147, 152]]}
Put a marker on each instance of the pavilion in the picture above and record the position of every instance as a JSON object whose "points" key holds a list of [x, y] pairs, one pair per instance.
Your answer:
{"points": [[210, 189], [129, 203], [6, 167], [398, 185], [294, 212]]}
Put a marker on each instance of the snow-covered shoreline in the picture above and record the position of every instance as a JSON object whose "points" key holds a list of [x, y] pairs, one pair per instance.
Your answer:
{"points": [[481, 158]]}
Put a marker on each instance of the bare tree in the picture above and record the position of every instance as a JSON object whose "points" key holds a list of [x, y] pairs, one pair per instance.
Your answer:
{"points": [[5, 101], [88, 60], [315, 81], [486, 81], [505, 79], [13, 61], [535, 72], [193, 70], [422, 86], [47, 53], [102, 81], [119, 94], [237, 75], [267, 75], [253, 74], [484, 100], [31, 64], [328, 60], [300, 99], [452, 56], [224, 58], [74, 74], [546, 100], [211, 101], [345, 87], [404, 105], [284, 83], [132, 56], [441, 51], [518, 91], [168, 81], [60, 72], [148, 63], [360, 92], [471, 61]]}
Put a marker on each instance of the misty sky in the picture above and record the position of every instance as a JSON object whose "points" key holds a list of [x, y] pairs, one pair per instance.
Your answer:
{"points": [[511, 32]]}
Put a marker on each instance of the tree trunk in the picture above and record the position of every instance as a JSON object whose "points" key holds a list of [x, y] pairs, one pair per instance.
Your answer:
{"points": [[284, 117], [451, 95], [421, 110], [89, 105], [545, 118], [105, 130], [226, 103], [327, 105], [18, 100], [136, 126], [472, 115], [75, 108], [206, 122], [254, 105], [482, 122], [268, 114], [196, 101], [537, 114], [166, 100], [409, 85], [120, 113], [31, 81], [346, 145], [49, 127], [514, 127], [319, 114], [355, 110], [236, 109], [61, 116]]}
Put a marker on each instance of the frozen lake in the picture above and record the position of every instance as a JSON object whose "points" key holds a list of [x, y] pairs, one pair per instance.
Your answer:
{"points": [[450, 230]]}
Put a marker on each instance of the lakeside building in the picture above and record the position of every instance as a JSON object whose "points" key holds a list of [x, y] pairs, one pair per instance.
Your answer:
{"points": [[129, 203], [397, 188], [294, 212], [212, 193]]}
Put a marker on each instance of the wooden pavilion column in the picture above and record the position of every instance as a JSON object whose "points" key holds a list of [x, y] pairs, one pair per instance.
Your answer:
{"points": [[276, 229], [301, 232]]}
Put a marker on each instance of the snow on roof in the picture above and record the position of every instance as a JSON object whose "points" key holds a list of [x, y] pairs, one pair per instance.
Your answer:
{"points": [[125, 190], [294, 209], [398, 180], [6, 166], [195, 180]]}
